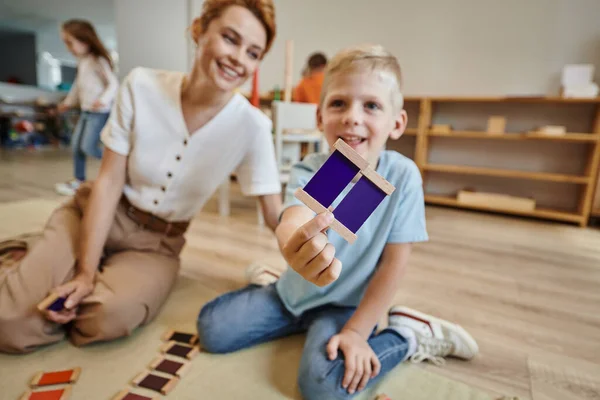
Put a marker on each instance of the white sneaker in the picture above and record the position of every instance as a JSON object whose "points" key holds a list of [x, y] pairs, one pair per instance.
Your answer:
{"points": [[435, 337], [262, 274], [67, 188]]}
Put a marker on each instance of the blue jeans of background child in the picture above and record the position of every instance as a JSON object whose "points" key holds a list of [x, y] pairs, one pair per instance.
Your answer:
{"points": [[86, 140], [255, 315]]}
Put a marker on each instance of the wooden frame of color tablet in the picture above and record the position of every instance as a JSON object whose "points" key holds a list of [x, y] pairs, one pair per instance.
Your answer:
{"points": [[180, 337], [148, 380], [179, 350], [53, 303], [175, 368], [342, 166], [53, 394], [56, 377], [125, 394]]}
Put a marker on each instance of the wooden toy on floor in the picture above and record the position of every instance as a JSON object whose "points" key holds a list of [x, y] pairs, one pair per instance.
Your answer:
{"points": [[170, 367], [53, 303], [54, 394], [179, 350], [127, 395], [154, 382], [331, 179], [56, 378], [180, 337]]}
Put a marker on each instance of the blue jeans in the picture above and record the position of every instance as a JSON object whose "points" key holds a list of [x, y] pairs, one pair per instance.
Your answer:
{"points": [[255, 315], [86, 140]]}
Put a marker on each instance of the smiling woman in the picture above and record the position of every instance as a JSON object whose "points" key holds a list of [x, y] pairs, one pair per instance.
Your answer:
{"points": [[171, 139]]}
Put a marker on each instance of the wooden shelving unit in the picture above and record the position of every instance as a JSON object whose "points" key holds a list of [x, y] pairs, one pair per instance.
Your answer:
{"points": [[539, 212], [506, 173], [569, 137], [533, 169], [595, 207], [559, 172]]}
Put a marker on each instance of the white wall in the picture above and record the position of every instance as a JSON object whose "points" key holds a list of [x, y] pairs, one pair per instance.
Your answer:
{"points": [[156, 37], [458, 47], [462, 47]]}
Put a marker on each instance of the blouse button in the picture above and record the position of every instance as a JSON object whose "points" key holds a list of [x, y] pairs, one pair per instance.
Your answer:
{"points": [[178, 158], [169, 175], [185, 142], [164, 189], [155, 202]]}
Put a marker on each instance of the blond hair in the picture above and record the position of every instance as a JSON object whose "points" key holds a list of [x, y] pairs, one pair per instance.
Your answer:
{"points": [[373, 58], [264, 10]]}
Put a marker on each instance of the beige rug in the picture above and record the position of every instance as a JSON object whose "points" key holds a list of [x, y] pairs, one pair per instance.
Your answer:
{"points": [[265, 372]]}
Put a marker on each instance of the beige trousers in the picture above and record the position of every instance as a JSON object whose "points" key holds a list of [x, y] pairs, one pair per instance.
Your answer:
{"points": [[139, 269]]}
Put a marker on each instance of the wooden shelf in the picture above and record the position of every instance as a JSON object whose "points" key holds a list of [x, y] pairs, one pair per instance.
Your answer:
{"points": [[579, 114], [506, 173], [538, 213], [569, 137], [514, 99]]}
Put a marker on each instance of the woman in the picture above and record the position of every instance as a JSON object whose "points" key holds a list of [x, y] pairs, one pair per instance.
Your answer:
{"points": [[93, 91], [170, 141]]}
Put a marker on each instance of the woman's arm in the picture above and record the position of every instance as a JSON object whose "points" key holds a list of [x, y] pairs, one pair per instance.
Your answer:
{"points": [[271, 205], [97, 219]]}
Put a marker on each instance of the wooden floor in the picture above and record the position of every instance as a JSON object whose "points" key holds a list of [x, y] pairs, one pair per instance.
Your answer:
{"points": [[528, 291]]}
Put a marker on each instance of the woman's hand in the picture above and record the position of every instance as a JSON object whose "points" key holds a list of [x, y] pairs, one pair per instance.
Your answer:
{"points": [[74, 291]]}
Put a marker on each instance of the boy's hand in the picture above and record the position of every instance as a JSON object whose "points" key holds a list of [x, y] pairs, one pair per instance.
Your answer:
{"points": [[361, 362], [310, 254]]}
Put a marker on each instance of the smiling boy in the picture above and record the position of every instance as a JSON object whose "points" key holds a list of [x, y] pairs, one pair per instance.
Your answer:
{"points": [[334, 291]]}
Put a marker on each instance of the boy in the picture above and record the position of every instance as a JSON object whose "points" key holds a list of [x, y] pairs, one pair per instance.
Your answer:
{"points": [[309, 88], [334, 291]]}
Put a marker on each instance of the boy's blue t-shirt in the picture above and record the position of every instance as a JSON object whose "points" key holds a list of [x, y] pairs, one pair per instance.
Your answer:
{"points": [[400, 218]]}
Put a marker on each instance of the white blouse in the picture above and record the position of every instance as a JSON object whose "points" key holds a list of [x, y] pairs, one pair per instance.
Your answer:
{"points": [[95, 80], [171, 173]]}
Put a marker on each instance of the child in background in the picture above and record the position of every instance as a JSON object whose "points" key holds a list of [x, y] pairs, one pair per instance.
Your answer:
{"points": [[334, 291], [309, 88], [93, 91]]}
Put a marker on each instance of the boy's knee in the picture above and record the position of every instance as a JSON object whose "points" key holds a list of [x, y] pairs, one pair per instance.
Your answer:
{"points": [[212, 333]]}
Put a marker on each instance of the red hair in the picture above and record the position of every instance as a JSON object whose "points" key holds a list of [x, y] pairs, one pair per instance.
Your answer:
{"points": [[263, 10]]}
